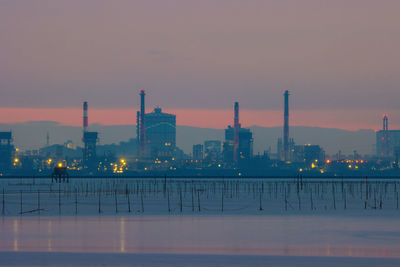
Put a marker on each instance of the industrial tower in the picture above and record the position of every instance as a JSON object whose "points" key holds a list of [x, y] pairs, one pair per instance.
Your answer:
{"points": [[142, 127], [236, 133], [385, 137], [90, 141], [286, 149], [138, 132]]}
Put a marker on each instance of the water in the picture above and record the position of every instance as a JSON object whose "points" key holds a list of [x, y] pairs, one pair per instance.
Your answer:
{"points": [[288, 235], [215, 222], [159, 196]]}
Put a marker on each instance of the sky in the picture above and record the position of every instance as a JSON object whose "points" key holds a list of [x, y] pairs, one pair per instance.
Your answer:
{"points": [[339, 59]]}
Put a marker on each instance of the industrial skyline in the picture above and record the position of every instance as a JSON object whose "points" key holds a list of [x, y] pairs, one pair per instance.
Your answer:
{"points": [[140, 120], [154, 148]]}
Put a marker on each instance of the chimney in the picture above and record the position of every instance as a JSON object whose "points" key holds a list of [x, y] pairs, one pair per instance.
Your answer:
{"points": [[85, 116], [286, 152], [142, 129], [236, 132]]}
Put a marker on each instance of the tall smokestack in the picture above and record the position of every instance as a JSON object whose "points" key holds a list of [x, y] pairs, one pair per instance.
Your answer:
{"points": [[385, 143], [286, 152], [138, 130], [236, 132], [85, 116], [142, 137]]}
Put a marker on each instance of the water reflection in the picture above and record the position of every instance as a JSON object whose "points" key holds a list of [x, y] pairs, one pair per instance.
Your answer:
{"points": [[250, 235], [49, 235], [122, 235], [16, 230]]}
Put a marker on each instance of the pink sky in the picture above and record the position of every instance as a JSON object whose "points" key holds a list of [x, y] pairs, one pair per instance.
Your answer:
{"points": [[342, 119]]}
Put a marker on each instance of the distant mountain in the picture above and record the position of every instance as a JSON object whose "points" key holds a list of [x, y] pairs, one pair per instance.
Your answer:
{"points": [[32, 135], [331, 139]]}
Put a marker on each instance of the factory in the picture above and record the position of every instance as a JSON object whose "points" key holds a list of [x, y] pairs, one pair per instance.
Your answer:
{"points": [[238, 143], [155, 149], [160, 134], [90, 140], [157, 133], [6, 151], [387, 141]]}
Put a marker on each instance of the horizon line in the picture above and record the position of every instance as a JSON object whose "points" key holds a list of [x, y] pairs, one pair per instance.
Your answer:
{"points": [[336, 119]]}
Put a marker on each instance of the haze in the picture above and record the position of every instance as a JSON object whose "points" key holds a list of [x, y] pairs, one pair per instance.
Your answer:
{"points": [[336, 57]]}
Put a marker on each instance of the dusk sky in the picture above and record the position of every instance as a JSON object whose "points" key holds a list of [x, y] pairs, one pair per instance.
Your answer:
{"points": [[339, 59]]}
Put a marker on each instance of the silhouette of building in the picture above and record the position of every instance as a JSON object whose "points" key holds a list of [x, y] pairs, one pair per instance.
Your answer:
{"points": [[212, 151], [89, 151], [308, 154], [280, 149], [198, 152], [160, 134], [397, 157], [245, 145], [238, 144], [387, 140], [6, 151], [89, 142]]}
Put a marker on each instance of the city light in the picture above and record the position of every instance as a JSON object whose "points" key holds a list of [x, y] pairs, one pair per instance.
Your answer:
{"points": [[313, 165]]}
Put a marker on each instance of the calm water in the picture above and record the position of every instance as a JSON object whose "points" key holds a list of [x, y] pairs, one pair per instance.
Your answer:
{"points": [[244, 235]]}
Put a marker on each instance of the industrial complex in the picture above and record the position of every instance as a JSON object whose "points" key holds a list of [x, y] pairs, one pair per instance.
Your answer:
{"points": [[153, 150]]}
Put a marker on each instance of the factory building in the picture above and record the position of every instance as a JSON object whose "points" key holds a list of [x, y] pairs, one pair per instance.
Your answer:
{"points": [[387, 141], [245, 146], [238, 143], [89, 141], [212, 151], [89, 150], [198, 152], [160, 134], [280, 149], [308, 154], [6, 151]]}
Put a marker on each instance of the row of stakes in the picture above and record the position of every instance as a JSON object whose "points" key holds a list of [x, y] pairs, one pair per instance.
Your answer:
{"points": [[378, 203]]}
